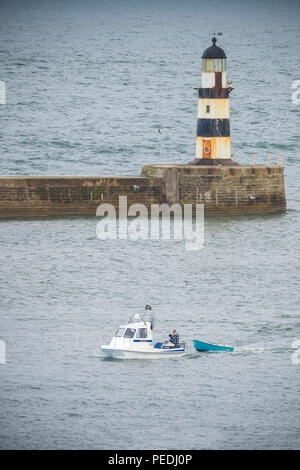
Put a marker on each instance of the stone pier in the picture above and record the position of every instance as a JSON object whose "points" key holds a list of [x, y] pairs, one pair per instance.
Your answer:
{"points": [[224, 190]]}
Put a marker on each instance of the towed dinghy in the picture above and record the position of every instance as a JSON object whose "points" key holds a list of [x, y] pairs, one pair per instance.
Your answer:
{"points": [[201, 346]]}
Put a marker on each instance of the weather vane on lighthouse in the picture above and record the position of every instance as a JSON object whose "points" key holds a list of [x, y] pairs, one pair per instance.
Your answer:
{"points": [[213, 124]]}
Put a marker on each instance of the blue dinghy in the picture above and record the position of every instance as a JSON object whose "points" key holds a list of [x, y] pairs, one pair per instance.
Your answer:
{"points": [[200, 346]]}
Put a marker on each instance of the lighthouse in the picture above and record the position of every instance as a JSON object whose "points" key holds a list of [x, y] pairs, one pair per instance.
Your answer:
{"points": [[213, 120]]}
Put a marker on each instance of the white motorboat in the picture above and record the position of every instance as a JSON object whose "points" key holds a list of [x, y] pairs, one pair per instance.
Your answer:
{"points": [[134, 341]]}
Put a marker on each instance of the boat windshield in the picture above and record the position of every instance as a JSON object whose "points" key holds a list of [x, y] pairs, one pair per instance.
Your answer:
{"points": [[129, 333], [142, 333], [120, 332]]}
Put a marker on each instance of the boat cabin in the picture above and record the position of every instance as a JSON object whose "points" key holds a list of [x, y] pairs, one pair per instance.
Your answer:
{"points": [[134, 334]]}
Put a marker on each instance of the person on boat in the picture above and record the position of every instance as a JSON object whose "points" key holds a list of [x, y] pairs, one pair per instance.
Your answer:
{"points": [[174, 338]]}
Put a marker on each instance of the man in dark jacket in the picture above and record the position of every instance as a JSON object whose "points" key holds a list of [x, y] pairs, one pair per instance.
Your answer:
{"points": [[174, 338]]}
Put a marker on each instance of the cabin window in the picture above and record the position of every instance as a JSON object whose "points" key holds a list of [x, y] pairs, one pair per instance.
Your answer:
{"points": [[129, 333], [120, 332], [142, 333], [208, 108]]}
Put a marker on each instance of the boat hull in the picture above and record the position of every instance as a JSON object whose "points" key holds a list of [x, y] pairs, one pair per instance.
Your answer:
{"points": [[201, 346], [149, 353]]}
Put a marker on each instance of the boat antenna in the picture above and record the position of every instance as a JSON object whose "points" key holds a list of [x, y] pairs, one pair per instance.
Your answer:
{"points": [[151, 316]]}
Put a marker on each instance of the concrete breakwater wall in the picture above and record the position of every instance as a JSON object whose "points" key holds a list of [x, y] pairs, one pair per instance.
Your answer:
{"points": [[61, 196], [239, 190]]}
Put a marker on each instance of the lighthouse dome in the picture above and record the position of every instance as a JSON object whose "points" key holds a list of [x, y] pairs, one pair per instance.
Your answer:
{"points": [[214, 52]]}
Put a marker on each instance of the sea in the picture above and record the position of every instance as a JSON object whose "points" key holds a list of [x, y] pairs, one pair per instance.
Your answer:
{"points": [[102, 88]]}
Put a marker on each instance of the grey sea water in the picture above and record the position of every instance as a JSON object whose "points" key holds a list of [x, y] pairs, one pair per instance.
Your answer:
{"points": [[88, 85]]}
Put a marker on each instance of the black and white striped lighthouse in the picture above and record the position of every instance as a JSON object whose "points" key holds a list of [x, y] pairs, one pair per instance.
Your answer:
{"points": [[213, 123]]}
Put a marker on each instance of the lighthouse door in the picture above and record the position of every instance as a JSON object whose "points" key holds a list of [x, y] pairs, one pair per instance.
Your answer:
{"points": [[218, 81], [206, 148]]}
